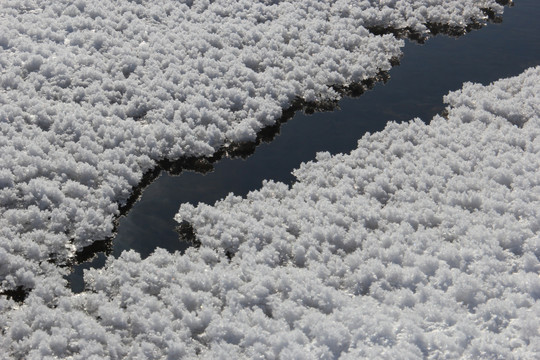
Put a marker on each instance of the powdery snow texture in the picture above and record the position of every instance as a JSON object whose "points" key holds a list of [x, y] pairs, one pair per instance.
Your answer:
{"points": [[93, 93], [422, 242]]}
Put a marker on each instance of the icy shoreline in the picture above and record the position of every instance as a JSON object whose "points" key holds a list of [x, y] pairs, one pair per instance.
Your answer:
{"points": [[422, 242], [82, 120], [91, 97]]}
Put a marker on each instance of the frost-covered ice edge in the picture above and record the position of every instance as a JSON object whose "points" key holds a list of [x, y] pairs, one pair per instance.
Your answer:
{"points": [[93, 95], [424, 242]]}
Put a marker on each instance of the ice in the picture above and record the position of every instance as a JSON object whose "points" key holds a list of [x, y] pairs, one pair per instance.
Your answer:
{"points": [[411, 245], [393, 247]]}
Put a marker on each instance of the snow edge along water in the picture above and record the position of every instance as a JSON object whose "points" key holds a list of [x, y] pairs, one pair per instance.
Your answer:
{"points": [[423, 242], [84, 119]]}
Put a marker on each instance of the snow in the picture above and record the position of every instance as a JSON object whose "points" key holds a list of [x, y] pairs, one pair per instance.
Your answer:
{"points": [[92, 95], [424, 242]]}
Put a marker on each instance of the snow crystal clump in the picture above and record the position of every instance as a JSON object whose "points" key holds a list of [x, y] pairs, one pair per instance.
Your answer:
{"points": [[424, 242], [93, 94]]}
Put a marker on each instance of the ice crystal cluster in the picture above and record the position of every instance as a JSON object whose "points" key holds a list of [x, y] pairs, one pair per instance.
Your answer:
{"points": [[93, 93], [424, 242]]}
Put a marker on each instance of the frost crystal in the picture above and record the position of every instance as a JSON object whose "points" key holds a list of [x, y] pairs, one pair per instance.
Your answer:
{"points": [[424, 240]]}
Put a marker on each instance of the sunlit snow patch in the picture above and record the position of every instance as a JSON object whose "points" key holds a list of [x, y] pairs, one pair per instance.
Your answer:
{"points": [[93, 94], [422, 242]]}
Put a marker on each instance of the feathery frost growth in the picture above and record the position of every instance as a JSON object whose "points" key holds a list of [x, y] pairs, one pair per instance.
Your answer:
{"points": [[92, 94], [424, 242]]}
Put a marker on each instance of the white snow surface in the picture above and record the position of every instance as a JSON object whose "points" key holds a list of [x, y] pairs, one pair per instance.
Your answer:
{"points": [[92, 94], [424, 242]]}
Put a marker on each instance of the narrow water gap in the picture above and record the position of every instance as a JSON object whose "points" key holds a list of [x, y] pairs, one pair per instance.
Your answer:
{"points": [[415, 89]]}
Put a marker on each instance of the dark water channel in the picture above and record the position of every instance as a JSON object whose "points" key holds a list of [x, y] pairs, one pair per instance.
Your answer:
{"points": [[415, 89]]}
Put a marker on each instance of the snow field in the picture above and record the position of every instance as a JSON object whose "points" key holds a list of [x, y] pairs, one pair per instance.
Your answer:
{"points": [[92, 95], [424, 242]]}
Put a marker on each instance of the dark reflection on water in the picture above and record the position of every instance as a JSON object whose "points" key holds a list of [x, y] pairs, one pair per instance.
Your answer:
{"points": [[427, 72]]}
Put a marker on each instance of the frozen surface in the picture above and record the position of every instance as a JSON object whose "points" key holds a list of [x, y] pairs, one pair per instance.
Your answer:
{"points": [[92, 94], [422, 242]]}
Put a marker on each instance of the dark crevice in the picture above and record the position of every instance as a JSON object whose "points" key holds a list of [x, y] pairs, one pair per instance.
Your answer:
{"points": [[492, 16], [138, 114], [88, 253], [402, 33], [187, 233], [509, 3], [19, 294]]}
